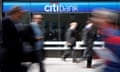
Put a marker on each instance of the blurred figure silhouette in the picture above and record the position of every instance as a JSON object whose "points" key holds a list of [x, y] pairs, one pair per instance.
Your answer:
{"points": [[71, 37], [34, 35], [11, 41], [89, 36], [108, 28]]}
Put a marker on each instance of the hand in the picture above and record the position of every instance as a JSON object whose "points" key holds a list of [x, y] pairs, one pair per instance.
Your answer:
{"points": [[68, 43], [40, 38]]}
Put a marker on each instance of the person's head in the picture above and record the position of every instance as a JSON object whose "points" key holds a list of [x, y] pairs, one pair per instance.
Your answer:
{"points": [[104, 16], [73, 25], [37, 18], [16, 13]]}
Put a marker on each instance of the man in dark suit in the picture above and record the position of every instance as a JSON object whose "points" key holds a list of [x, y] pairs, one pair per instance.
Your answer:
{"points": [[71, 37], [33, 34], [11, 41], [89, 36]]}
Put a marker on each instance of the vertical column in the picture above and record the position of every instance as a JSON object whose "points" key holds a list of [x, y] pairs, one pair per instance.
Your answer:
{"points": [[0, 9], [0, 20]]}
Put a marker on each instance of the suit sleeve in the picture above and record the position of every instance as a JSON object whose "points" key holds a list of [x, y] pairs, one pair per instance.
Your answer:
{"points": [[84, 34], [6, 34], [28, 35], [68, 35], [93, 33]]}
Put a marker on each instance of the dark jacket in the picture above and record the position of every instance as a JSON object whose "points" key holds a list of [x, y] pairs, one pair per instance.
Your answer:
{"points": [[11, 41], [89, 35], [28, 38], [28, 35], [71, 36]]}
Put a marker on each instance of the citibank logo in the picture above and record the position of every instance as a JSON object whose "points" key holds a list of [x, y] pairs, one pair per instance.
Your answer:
{"points": [[60, 8]]}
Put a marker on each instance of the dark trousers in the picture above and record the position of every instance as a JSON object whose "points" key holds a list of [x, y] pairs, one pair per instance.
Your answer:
{"points": [[40, 56], [69, 52], [11, 63], [13, 67], [88, 54], [37, 57]]}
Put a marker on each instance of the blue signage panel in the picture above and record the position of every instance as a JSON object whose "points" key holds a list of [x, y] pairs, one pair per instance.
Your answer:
{"points": [[59, 7], [108, 5], [119, 7], [62, 7], [8, 6]]}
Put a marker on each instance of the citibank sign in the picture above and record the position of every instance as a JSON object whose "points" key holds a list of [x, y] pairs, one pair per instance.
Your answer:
{"points": [[60, 8]]}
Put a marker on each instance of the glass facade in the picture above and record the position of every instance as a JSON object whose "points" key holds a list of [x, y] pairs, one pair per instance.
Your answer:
{"points": [[55, 24]]}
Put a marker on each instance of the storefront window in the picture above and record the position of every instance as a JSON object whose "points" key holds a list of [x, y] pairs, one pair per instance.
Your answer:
{"points": [[57, 21]]}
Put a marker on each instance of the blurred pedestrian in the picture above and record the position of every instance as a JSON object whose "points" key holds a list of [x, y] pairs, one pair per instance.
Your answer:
{"points": [[11, 41], [71, 37], [34, 35], [89, 36], [109, 29]]}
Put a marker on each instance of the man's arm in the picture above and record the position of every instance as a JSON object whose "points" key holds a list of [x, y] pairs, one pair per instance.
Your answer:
{"points": [[39, 38], [68, 37], [5, 33], [84, 34]]}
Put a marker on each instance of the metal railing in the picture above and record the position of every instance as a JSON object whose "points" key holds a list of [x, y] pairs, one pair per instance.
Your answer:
{"points": [[64, 46]]}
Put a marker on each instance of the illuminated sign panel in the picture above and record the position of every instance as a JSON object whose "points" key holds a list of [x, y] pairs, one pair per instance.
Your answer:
{"points": [[62, 7]]}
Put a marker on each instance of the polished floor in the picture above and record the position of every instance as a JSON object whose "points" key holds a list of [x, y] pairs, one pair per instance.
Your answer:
{"points": [[58, 65]]}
